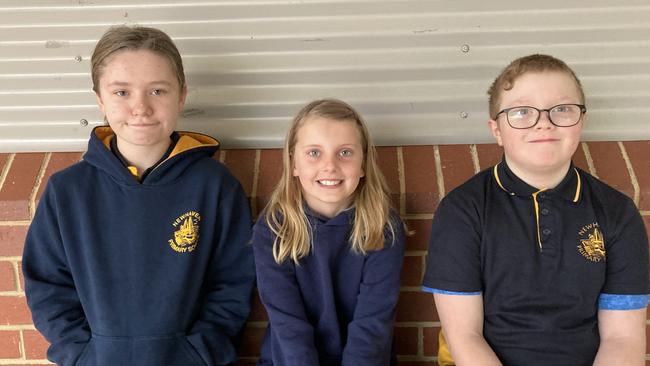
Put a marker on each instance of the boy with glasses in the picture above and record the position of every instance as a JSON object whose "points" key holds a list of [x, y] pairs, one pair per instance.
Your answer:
{"points": [[534, 261]]}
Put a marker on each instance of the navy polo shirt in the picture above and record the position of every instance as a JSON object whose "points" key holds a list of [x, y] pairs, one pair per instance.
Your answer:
{"points": [[545, 261]]}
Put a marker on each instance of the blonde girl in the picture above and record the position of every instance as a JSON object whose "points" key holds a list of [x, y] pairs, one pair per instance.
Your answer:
{"points": [[328, 248]]}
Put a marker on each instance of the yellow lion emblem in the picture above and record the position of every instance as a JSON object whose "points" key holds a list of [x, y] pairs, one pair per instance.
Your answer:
{"points": [[186, 235], [593, 248]]}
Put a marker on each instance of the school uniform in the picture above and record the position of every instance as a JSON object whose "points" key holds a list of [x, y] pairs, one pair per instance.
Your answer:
{"points": [[335, 307], [544, 261], [141, 270]]}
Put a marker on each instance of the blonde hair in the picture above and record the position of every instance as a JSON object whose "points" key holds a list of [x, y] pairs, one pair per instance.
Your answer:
{"points": [[285, 214], [123, 37], [522, 65]]}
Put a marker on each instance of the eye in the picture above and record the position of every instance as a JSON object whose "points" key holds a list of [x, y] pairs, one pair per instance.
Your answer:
{"points": [[562, 108], [120, 93], [346, 153], [519, 112], [157, 92], [313, 153]]}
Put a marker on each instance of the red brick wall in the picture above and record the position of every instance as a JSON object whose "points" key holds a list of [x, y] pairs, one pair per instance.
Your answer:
{"points": [[418, 177]]}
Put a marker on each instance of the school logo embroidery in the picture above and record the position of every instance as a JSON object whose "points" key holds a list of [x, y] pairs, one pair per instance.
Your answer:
{"points": [[186, 235], [592, 244]]}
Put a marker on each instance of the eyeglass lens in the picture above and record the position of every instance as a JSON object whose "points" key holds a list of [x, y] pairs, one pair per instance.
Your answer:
{"points": [[563, 115]]}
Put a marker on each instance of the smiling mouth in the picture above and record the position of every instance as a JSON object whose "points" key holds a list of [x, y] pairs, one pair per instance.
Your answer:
{"points": [[329, 182]]}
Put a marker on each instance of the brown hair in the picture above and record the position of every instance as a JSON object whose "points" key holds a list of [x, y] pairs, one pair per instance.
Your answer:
{"points": [[522, 65], [285, 215], [135, 38]]}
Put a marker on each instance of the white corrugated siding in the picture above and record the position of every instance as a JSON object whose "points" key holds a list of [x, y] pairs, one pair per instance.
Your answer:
{"points": [[417, 70]]}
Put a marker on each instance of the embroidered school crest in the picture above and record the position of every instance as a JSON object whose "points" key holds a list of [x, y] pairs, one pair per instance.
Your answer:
{"points": [[186, 234], [592, 244]]}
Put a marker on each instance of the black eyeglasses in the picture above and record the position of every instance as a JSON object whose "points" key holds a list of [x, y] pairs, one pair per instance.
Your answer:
{"points": [[562, 115]]}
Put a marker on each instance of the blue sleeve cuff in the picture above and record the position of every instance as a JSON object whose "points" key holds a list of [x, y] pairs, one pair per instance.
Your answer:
{"points": [[445, 292], [622, 302]]}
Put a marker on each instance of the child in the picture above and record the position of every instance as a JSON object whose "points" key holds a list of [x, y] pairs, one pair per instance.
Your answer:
{"points": [[534, 261], [138, 254], [328, 250]]}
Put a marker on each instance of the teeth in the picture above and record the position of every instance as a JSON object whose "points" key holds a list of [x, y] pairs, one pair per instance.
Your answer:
{"points": [[329, 182]]}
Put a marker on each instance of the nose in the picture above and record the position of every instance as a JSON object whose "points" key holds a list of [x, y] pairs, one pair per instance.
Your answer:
{"points": [[544, 120], [141, 106], [329, 163]]}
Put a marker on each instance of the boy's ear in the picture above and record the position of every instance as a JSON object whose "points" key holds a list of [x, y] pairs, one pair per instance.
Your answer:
{"points": [[496, 131]]}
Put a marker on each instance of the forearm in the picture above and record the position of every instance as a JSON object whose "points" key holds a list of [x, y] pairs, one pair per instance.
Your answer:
{"points": [[629, 351], [473, 350]]}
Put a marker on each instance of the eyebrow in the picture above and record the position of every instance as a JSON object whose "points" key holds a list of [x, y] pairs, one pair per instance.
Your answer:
{"points": [[340, 146], [126, 83]]}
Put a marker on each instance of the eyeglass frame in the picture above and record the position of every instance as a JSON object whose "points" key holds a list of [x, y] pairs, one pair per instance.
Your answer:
{"points": [[583, 110]]}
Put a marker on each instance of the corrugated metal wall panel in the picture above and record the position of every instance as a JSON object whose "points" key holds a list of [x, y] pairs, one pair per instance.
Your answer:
{"points": [[417, 70]]}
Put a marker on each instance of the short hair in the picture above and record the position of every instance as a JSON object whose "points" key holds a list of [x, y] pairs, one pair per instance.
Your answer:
{"points": [[522, 65], [135, 38]]}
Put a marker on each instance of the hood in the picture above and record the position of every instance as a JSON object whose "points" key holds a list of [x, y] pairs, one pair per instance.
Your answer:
{"points": [[191, 146]]}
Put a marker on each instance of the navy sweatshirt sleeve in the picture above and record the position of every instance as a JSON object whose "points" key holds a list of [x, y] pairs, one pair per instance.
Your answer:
{"points": [[370, 332], [49, 286], [231, 277], [281, 297]]}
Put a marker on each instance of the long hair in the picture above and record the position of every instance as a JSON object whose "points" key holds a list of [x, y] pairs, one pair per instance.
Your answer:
{"points": [[285, 215]]}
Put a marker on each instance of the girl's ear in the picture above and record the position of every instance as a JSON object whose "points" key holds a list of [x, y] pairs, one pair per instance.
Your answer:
{"points": [[496, 131], [100, 103], [183, 96]]}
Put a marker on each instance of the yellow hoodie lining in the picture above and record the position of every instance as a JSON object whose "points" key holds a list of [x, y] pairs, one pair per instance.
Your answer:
{"points": [[186, 142]]}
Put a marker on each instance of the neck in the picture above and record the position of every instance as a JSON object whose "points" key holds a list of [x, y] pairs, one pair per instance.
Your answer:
{"points": [[142, 157], [541, 178]]}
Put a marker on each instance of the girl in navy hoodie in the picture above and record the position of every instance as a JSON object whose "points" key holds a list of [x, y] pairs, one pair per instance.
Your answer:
{"points": [[139, 255], [328, 249]]}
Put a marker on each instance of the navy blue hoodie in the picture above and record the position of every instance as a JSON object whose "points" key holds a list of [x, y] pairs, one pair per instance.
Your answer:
{"points": [[334, 308], [158, 272]]}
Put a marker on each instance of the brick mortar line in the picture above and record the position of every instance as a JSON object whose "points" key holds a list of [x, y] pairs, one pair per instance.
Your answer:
{"points": [[439, 178], [14, 258], [590, 161], [417, 216], [416, 358], [420, 341], [475, 159], [247, 358], [256, 177], [15, 223], [17, 327], [423, 259], [21, 346], [14, 264], [5, 169], [645, 213], [17, 361], [257, 324], [417, 324], [31, 205], [222, 156], [413, 253], [630, 171], [402, 181], [410, 289], [12, 294]]}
